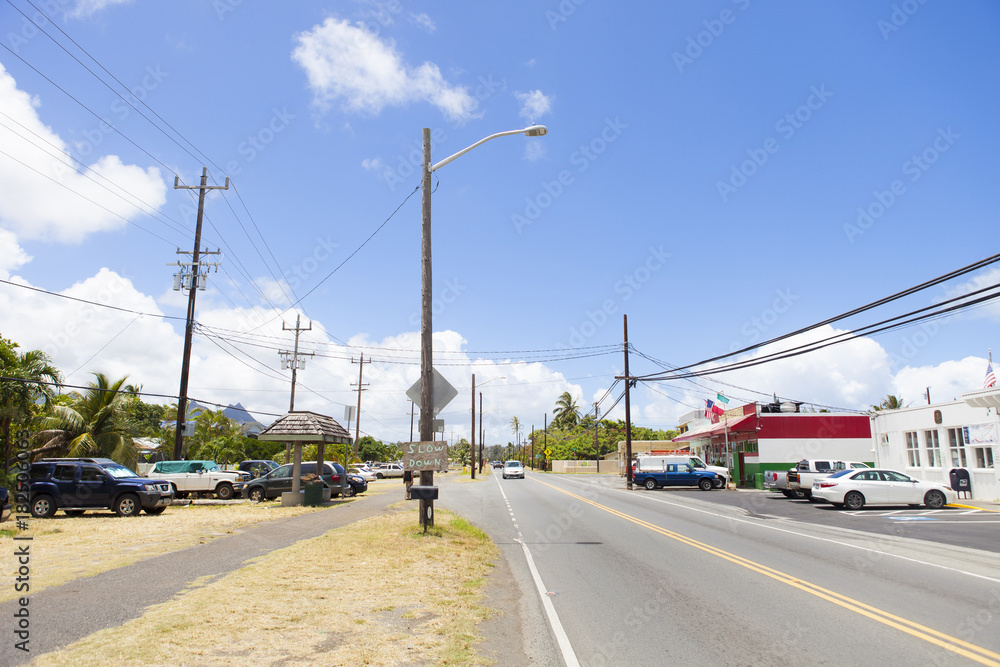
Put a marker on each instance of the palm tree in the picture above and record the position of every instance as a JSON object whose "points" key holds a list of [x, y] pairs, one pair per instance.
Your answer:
{"points": [[35, 377], [890, 402], [515, 427], [92, 424], [567, 413]]}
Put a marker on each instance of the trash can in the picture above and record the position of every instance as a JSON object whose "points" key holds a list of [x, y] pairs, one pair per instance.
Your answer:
{"points": [[314, 494], [758, 480]]}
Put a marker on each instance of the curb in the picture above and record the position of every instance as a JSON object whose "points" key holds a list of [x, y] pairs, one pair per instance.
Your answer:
{"points": [[973, 507]]}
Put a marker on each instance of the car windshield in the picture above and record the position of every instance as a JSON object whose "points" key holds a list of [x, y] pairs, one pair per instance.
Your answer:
{"points": [[119, 472], [211, 466], [841, 473], [513, 464]]}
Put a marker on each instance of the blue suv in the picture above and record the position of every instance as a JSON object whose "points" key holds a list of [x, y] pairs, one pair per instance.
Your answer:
{"points": [[77, 485]]}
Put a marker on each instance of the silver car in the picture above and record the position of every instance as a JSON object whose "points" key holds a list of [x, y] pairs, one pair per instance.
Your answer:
{"points": [[513, 469]]}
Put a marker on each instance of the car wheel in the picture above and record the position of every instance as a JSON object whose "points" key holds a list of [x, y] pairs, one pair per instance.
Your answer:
{"points": [[718, 482], [74, 512], [934, 499], [650, 484], [786, 493], [257, 494], [155, 510], [43, 507], [799, 494], [705, 484], [349, 491], [224, 491], [854, 500], [378, 475], [127, 505]]}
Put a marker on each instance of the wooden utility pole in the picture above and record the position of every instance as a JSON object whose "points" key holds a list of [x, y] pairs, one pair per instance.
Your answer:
{"points": [[597, 450], [293, 363], [628, 412], [357, 420], [192, 293], [473, 432]]}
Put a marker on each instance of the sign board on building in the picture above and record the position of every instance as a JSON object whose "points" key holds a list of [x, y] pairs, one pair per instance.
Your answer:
{"points": [[425, 456]]}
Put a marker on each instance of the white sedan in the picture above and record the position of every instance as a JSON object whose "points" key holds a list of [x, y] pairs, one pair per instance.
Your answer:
{"points": [[856, 488], [362, 471]]}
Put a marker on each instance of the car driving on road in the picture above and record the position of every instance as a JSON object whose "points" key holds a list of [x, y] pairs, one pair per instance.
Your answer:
{"points": [[854, 489], [513, 469]]}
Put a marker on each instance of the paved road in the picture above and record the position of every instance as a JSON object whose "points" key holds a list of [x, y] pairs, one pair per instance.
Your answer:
{"points": [[670, 578]]}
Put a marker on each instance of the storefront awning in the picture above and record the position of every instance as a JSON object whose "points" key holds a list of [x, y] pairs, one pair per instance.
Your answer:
{"points": [[745, 423]]}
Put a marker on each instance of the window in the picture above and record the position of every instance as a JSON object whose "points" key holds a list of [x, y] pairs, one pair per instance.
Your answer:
{"points": [[956, 443], [65, 473], [983, 456], [91, 474], [933, 448], [912, 449], [823, 466]]}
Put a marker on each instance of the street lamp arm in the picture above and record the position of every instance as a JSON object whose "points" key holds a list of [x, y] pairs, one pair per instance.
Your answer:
{"points": [[532, 131]]}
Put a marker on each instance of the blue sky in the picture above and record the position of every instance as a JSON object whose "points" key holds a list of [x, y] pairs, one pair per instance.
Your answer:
{"points": [[721, 172]]}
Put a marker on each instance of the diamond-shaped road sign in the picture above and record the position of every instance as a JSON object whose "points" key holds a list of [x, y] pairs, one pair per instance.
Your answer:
{"points": [[443, 392]]}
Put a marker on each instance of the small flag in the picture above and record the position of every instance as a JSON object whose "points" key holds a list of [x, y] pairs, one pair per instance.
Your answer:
{"points": [[991, 379], [714, 407], [722, 399]]}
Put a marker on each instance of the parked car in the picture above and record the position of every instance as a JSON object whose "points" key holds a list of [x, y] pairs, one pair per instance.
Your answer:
{"points": [[5, 506], [646, 462], [257, 467], [513, 469], [676, 474], [279, 480], [854, 489], [76, 485], [800, 479], [363, 472], [200, 477], [388, 470]]}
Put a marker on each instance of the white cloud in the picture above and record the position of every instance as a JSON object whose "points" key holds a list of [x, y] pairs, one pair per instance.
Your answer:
{"points": [[12, 255], [43, 197], [946, 381], [371, 164], [534, 105], [424, 21], [534, 150], [367, 74], [978, 281], [84, 8]]}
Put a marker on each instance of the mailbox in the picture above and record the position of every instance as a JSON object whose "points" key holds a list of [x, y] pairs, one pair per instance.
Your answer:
{"points": [[960, 481], [423, 493]]}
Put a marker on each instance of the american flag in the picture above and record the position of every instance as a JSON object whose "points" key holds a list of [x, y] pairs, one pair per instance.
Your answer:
{"points": [[991, 379]]}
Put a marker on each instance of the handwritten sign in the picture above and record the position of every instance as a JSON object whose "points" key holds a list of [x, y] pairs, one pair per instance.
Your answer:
{"points": [[425, 456]]}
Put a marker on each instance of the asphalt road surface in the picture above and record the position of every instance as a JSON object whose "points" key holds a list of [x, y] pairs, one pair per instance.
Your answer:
{"points": [[619, 577]]}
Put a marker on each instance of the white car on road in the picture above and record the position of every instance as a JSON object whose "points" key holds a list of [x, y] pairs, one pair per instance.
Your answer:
{"points": [[513, 469], [854, 489]]}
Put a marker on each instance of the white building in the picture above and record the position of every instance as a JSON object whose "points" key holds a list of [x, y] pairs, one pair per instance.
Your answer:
{"points": [[929, 441]]}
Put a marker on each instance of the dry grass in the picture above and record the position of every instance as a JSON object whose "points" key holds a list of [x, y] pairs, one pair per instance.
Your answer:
{"points": [[377, 592], [66, 548]]}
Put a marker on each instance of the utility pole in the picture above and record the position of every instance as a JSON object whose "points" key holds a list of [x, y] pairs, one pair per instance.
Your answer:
{"points": [[196, 277], [597, 449], [291, 360], [482, 436], [473, 431], [357, 420], [628, 411]]}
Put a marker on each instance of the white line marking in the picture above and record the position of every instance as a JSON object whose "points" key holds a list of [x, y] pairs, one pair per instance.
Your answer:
{"points": [[568, 654], [812, 537]]}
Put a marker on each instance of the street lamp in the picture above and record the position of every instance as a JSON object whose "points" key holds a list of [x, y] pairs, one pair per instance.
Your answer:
{"points": [[474, 421], [426, 330]]}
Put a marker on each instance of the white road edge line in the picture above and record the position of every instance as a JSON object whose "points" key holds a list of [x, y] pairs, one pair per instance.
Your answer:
{"points": [[568, 654]]}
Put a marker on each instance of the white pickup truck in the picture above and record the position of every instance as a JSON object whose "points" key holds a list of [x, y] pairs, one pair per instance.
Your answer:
{"points": [[800, 478]]}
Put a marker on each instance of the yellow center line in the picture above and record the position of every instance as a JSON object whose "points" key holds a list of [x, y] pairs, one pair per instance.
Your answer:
{"points": [[977, 653]]}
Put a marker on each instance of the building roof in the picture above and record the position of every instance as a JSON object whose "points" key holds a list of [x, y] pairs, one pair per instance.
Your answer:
{"points": [[305, 426]]}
